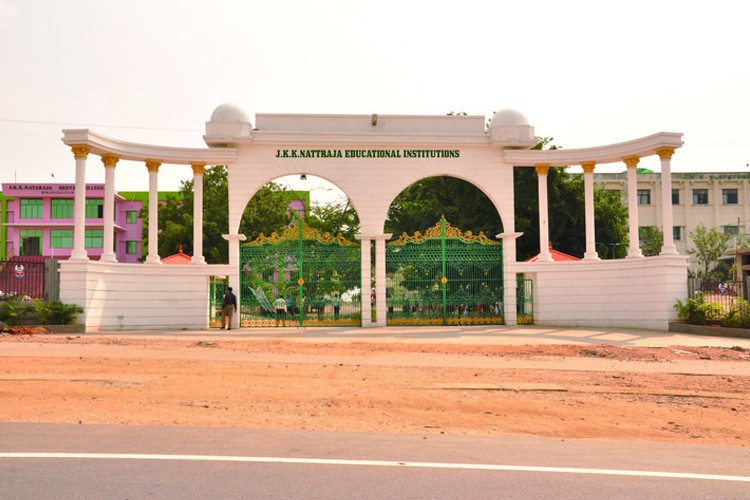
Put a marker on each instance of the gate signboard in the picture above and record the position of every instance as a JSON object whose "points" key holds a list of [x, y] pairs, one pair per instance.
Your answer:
{"points": [[444, 277], [300, 278]]}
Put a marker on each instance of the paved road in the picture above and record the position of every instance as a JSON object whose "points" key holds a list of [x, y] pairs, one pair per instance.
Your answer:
{"points": [[241, 463]]}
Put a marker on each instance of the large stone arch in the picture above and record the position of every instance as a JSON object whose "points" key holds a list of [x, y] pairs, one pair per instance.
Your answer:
{"points": [[391, 153]]}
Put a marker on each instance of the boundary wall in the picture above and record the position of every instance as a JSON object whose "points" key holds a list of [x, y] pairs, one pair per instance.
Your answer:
{"points": [[633, 293]]}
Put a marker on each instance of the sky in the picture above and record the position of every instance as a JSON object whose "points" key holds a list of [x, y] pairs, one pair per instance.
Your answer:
{"points": [[587, 73]]}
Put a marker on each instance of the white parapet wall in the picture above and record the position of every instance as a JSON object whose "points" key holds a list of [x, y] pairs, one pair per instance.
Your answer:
{"points": [[139, 296], [633, 293]]}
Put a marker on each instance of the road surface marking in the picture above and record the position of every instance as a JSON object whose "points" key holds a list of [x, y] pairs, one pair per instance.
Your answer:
{"points": [[382, 463]]}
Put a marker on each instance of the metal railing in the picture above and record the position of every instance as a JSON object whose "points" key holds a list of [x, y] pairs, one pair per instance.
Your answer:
{"points": [[22, 277]]}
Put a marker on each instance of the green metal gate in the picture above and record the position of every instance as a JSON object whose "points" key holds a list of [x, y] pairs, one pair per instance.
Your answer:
{"points": [[444, 277], [300, 278]]}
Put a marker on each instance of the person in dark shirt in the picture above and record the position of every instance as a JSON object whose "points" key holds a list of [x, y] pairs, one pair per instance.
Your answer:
{"points": [[228, 308]]}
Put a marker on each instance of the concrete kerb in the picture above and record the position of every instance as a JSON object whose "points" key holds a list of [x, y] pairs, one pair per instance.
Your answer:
{"points": [[468, 335]]}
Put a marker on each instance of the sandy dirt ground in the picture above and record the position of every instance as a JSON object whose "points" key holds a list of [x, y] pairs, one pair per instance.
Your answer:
{"points": [[678, 394]]}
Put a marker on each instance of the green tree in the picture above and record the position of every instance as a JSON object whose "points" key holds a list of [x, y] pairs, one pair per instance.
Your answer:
{"points": [[611, 224], [419, 207], [651, 239], [708, 246], [266, 212], [335, 218]]}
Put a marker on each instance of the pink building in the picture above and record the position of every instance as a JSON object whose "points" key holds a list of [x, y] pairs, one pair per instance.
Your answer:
{"points": [[38, 221]]}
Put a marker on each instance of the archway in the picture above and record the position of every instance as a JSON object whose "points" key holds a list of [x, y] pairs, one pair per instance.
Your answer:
{"points": [[442, 274], [302, 274]]}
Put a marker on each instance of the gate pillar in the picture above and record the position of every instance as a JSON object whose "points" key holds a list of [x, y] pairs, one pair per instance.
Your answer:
{"points": [[366, 278], [234, 265], [380, 279], [509, 276]]}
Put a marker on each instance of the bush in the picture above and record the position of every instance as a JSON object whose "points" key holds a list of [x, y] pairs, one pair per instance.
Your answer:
{"points": [[14, 311], [66, 313], [739, 315], [697, 311]]}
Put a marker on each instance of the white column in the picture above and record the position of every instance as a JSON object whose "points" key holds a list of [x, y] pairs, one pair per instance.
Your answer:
{"points": [[80, 152], [634, 249], [153, 212], [544, 253], [366, 285], [667, 224], [108, 255], [198, 213], [510, 284], [381, 305], [234, 278], [588, 196]]}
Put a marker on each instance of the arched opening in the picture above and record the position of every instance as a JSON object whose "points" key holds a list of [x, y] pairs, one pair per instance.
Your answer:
{"points": [[308, 272], [440, 271], [421, 204]]}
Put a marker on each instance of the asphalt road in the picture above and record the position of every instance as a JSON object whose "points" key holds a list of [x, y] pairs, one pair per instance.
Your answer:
{"points": [[83, 461]]}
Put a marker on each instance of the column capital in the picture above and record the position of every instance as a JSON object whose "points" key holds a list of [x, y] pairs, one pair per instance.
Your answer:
{"points": [[80, 151], [631, 161], [110, 160], [508, 237], [374, 237], [153, 165], [198, 168], [542, 168], [234, 237], [588, 167], [665, 153]]}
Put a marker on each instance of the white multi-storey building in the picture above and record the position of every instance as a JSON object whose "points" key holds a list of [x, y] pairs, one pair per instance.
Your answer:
{"points": [[718, 200]]}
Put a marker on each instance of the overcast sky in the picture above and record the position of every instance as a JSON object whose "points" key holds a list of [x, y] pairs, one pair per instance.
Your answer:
{"points": [[587, 73]]}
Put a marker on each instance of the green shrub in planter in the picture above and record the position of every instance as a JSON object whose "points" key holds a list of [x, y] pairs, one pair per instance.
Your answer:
{"points": [[697, 311], [66, 313], [12, 310], [739, 315], [44, 312]]}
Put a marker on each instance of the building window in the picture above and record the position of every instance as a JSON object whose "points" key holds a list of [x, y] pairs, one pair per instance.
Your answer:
{"points": [[732, 230], [94, 238], [94, 208], [61, 208], [131, 247], [32, 208], [61, 238], [615, 192], [644, 197], [729, 196], [131, 216], [700, 196], [675, 197], [678, 232]]}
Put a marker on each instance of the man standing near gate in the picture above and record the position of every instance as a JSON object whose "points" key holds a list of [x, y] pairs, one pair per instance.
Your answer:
{"points": [[228, 308]]}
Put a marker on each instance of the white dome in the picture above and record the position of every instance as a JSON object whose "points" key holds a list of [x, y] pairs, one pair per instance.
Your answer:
{"points": [[509, 117], [511, 128], [229, 113]]}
